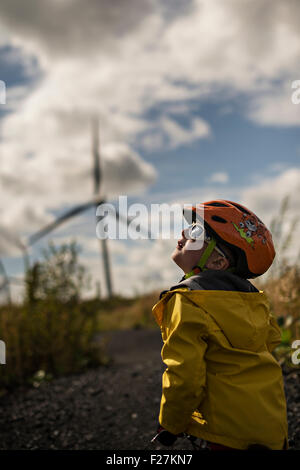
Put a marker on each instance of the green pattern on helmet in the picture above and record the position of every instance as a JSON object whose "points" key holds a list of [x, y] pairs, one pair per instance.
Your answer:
{"points": [[243, 235]]}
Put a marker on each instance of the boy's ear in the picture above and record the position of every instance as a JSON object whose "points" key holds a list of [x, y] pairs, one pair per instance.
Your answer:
{"points": [[224, 263], [218, 264]]}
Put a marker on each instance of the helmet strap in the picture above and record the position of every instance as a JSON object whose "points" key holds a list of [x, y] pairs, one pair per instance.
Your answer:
{"points": [[203, 260]]}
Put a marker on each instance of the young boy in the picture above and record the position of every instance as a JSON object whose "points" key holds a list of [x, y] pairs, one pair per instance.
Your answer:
{"points": [[221, 384]]}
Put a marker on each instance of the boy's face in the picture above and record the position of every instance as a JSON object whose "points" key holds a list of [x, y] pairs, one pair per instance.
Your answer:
{"points": [[186, 257]]}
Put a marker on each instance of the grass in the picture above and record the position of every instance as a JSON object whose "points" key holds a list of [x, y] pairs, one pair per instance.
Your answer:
{"points": [[50, 338], [137, 313], [282, 285], [283, 293]]}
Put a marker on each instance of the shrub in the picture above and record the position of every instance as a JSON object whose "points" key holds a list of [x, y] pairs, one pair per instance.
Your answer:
{"points": [[282, 284], [50, 332]]}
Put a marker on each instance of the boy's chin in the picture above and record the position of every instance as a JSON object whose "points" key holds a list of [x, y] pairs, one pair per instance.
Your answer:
{"points": [[177, 259], [175, 256]]}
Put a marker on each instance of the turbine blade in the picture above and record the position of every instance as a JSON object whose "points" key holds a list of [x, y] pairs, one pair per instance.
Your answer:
{"points": [[63, 218]]}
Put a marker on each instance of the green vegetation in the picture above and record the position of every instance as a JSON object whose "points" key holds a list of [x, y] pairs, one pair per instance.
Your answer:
{"points": [[282, 285], [50, 334], [284, 296], [53, 332]]}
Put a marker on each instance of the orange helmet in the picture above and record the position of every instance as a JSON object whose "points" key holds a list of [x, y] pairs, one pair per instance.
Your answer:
{"points": [[242, 231]]}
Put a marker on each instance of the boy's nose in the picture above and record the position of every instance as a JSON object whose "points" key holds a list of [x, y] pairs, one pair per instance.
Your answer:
{"points": [[183, 238]]}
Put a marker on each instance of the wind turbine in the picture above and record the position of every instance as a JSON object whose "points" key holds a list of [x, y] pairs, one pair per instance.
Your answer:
{"points": [[97, 182], [6, 282], [16, 241], [95, 201]]}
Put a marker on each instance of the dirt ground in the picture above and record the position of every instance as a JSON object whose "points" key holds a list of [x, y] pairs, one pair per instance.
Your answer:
{"points": [[114, 407]]}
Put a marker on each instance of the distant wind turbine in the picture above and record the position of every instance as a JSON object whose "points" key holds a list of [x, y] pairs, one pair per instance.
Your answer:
{"points": [[95, 201], [5, 284], [97, 182]]}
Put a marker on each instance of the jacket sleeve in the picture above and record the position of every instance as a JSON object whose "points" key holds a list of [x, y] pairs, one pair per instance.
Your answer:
{"points": [[274, 334], [183, 382]]}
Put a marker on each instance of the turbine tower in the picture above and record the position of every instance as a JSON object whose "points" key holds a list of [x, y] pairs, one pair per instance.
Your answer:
{"points": [[97, 183], [95, 201]]}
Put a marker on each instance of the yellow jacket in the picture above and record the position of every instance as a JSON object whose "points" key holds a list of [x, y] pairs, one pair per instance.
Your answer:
{"points": [[222, 383]]}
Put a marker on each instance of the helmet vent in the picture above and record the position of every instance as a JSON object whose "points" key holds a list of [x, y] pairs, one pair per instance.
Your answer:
{"points": [[216, 204], [240, 208], [216, 218]]}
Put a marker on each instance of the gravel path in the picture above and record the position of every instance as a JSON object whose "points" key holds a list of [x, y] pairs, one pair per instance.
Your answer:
{"points": [[113, 407]]}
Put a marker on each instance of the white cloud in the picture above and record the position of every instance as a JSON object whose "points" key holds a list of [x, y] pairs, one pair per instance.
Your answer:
{"points": [[178, 135], [169, 134], [147, 266], [118, 60], [7, 248], [219, 177], [275, 108], [10, 242], [63, 28], [124, 171], [266, 197]]}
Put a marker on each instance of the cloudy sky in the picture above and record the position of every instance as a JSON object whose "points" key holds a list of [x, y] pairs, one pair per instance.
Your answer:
{"points": [[194, 102]]}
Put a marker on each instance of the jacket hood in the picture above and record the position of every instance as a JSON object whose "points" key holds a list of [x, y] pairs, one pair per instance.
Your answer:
{"points": [[243, 317]]}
